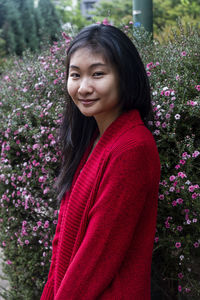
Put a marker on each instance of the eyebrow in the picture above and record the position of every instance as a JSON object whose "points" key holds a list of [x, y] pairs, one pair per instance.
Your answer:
{"points": [[98, 64]]}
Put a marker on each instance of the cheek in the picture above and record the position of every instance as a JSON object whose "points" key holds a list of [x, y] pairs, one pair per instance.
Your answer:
{"points": [[71, 88]]}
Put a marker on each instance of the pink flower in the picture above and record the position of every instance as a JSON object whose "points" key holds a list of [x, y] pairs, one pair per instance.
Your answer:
{"points": [[66, 37], [196, 245], [180, 275], [7, 78], [194, 195], [50, 136], [149, 65], [178, 245], [167, 93], [39, 223], [26, 242], [161, 197], [179, 200], [185, 154], [55, 81], [46, 224], [24, 223], [197, 87], [182, 175], [191, 188], [46, 190], [105, 22], [148, 73], [196, 153], [36, 146], [41, 179], [9, 262], [183, 53], [172, 178], [156, 239], [179, 288], [179, 228], [192, 103], [177, 167]]}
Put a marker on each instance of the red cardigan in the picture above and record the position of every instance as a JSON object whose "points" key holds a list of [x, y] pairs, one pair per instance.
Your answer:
{"points": [[103, 243]]}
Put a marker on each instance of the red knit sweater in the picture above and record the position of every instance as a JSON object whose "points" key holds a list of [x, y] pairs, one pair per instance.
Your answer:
{"points": [[103, 243]]}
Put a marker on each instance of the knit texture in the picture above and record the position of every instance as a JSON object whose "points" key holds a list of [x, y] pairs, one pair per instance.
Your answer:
{"points": [[104, 238]]}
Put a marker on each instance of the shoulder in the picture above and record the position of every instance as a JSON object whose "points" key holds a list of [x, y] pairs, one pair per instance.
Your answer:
{"points": [[137, 138]]}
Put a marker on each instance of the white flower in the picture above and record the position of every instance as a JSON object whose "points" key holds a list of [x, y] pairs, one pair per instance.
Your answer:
{"points": [[181, 257], [187, 182], [177, 116]]}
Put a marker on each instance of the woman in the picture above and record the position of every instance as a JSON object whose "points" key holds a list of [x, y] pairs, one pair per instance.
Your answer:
{"points": [[108, 184]]}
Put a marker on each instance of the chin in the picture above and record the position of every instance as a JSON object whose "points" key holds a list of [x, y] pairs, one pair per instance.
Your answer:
{"points": [[87, 113]]}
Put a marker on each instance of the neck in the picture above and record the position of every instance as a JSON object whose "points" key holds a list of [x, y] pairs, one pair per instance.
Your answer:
{"points": [[104, 121]]}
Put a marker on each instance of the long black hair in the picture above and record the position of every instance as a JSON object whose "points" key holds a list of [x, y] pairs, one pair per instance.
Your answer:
{"points": [[77, 129]]}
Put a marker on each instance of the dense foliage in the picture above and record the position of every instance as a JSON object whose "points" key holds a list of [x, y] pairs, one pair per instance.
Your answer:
{"points": [[24, 25], [70, 15], [31, 101]]}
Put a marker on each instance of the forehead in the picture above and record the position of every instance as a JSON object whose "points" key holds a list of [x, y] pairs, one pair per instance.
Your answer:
{"points": [[88, 55]]}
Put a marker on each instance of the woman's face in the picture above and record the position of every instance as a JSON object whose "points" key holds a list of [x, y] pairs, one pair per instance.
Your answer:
{"points": [[93, 85]]}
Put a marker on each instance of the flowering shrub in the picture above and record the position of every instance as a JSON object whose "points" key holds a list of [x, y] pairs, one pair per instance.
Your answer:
{"points": [[31, 103], [31, 100], [175, 82]]}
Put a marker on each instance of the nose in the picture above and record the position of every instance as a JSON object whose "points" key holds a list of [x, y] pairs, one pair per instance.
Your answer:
{"points": [[85, 87]]}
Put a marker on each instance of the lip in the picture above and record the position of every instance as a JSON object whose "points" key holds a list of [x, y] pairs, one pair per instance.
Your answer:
{"points": [[87, 101]]}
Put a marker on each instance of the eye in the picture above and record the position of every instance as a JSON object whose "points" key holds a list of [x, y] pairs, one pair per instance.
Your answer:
{"points": [[98, 74], [74, 75]]}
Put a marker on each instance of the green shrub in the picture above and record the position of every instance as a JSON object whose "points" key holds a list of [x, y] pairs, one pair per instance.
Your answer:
{"points": [[31, 101]]}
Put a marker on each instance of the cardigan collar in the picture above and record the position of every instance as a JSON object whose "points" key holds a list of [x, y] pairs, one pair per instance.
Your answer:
{"points": [[126, 120]]}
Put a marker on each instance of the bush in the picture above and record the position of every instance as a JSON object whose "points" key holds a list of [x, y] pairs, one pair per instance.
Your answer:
{"points": [[175, 82], [31, 100]]}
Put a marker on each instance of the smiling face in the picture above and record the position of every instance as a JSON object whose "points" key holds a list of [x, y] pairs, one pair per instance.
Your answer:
{"points": [[93, 85]]}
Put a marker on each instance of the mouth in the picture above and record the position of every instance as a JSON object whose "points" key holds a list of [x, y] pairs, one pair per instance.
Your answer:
{"points": [[87, 101]]}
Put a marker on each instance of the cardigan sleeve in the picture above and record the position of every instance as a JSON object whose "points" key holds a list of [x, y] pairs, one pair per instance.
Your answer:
{"points": [[48, 292], [112, 220]]}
